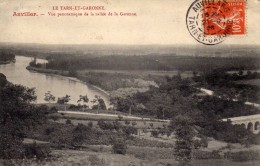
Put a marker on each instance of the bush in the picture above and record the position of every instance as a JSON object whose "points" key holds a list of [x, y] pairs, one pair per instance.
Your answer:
{"points": [[141, 142], [243, 156], [206, 155], [54, 118], [80, 134], [154, 133], [129, 131], [204, 142], [68, 121], [120, 117], [90, 124], [95, 161], [49, 130], [119, 146], [134, 123], [34, 150], [105, 125], [53, 109], [127, 122], [197, 144]]}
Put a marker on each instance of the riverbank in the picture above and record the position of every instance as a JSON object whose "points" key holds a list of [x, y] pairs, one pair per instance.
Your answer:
{"points": [[111, 84], [6, 62], [66, 74]]}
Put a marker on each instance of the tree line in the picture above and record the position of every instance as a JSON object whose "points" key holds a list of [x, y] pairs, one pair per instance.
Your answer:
{"points": [[6, 56], [149, 62]]}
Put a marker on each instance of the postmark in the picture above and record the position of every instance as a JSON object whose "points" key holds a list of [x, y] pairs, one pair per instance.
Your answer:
{"points": [[211, 21]]}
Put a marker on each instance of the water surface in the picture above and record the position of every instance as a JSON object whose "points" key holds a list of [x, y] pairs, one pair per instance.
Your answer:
{"points": [[58, 85]]}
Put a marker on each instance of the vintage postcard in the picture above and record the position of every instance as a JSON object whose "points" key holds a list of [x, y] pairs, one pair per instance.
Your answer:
{"points": [[130, 82]]}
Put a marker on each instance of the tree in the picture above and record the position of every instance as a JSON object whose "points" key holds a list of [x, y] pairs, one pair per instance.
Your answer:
{"points": [[194, 73], [83, 99], [64, 100], [160, 112], [80, 134], [182, 127], [99, 103], [240, 72], [16, 115], [49, 97], [249, 73], [113, 103], [119, 146]]}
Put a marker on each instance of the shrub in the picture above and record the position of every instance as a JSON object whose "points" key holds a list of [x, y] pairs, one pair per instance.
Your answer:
{"points": [[134, 123], [127, 122], [141, 155], [120, 117], [154, 133], [68, 121], [129, 131], [55, 118], [49, 130], [95, 161], [197, 144], [90, 124], [53, 109], [80, 134], [206, 155], [105, 125], [34, 150], [119, 146], [243, 156], [204, 142]]}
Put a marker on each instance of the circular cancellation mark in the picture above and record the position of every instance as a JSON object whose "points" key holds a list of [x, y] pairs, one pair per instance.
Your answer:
{"points": [[206, 21]]}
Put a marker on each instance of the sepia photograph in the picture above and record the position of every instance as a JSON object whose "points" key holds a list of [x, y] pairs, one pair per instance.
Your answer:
{"points": [[130, 83]]}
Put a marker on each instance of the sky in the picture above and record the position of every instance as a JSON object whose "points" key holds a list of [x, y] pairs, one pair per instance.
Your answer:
{"points": [[157, 22]]}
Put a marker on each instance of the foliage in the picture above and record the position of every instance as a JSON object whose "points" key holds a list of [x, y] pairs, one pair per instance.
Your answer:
{"points": [[99, 103], [119, 146], [6, 56], [221, 108], [129, 131], [196, 144], [72, 73], [227, 132], [95, 161], [80, 134], [154, 133], [151, 62], [90, 124], [127, 122], [68, 121], [83, 99], [141, 142], [243, 156], [64, 99], [178, 97], [204, 142], [182, 127], [105, 125], [203, 155], [49, 97], [39, 151], [17, 114]]}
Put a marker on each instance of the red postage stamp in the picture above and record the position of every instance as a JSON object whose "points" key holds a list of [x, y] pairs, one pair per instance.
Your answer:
{"points": [[224, 17]]}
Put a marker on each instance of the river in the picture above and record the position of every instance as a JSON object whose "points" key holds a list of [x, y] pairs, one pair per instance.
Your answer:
{"points": [[58, 85]]}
